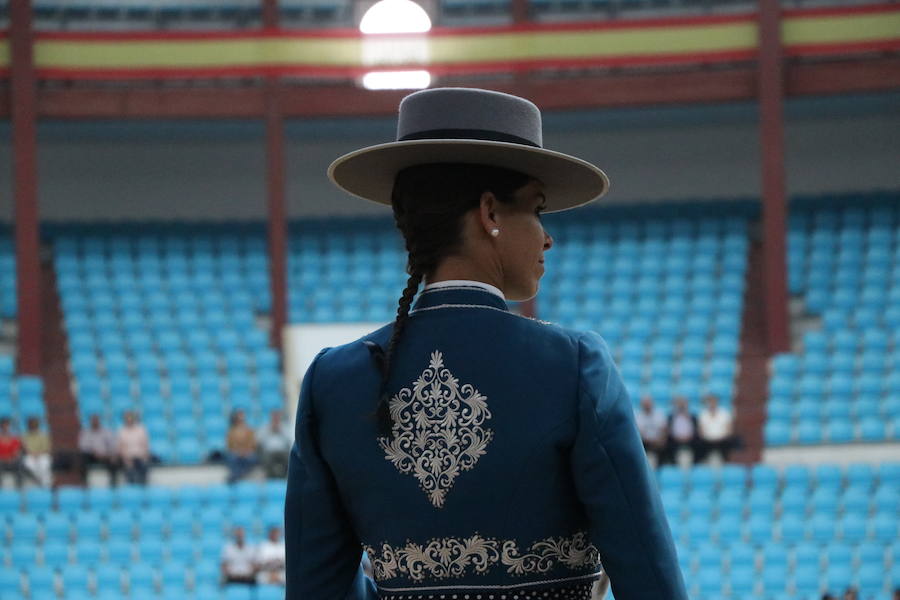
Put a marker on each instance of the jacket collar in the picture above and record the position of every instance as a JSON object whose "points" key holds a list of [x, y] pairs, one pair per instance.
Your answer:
{"points": [[460, 294]]}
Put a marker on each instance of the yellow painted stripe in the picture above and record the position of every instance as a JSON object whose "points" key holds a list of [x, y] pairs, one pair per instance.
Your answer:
{"points": [[349, 52], [842, 28], [194, 53], [509, 46], [593, 43]]}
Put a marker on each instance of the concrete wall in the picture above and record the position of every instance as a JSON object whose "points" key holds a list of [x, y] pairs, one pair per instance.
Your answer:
{"points": [[100, 171]]}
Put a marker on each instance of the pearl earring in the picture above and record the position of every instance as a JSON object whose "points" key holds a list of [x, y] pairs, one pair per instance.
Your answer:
{"points": [[495, 232]]}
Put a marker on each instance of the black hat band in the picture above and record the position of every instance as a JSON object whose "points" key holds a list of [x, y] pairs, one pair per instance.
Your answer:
{"points": [[467, 134]]}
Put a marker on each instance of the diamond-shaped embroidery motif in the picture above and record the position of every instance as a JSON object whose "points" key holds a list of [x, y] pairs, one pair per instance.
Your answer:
{"points": [[438, 429]]}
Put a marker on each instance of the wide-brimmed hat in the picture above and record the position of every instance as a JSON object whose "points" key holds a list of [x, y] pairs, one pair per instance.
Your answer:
{"points": [[472, 126]]}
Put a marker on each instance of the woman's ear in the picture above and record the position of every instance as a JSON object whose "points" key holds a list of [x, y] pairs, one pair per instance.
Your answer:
{"points": [[487, 212]]}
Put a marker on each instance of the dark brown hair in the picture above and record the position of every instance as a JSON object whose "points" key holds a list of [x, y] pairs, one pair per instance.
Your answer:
{"points": [[429, 202]]}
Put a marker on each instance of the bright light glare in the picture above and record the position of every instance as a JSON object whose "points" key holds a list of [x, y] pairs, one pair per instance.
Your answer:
{"points": [[397, 80], [395, 16]]}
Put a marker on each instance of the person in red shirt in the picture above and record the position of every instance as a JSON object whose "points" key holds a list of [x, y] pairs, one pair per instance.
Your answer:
{"points": [[10, 452]]}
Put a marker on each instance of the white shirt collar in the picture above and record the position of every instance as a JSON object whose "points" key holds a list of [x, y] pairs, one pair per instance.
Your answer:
{"points": [[467, 283]]}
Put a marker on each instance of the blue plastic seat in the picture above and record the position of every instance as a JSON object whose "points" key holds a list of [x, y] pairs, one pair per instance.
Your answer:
{"points": [[25, 529], [792, 529], [884, 527], [108, 578], [743, 579], [40, 581], [808, 432], [852, 527], [777, 433], [55, 554], [872, 429], [74, 577]]}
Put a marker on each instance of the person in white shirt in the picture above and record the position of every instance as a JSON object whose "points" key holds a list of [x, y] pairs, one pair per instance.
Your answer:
{"points": [[716, 425], [238, 563], [270, 559], [97, 445], [133, 446], [274, 440], [651, 423]]}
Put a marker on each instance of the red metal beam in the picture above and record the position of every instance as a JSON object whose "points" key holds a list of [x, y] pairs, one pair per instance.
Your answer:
{"points": [[23, 89], [275, 191], [771, 109], [275, 188], [344, 100]]}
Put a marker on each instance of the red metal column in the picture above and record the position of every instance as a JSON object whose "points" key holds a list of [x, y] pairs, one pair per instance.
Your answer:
{"points": [[24, 124], [771, 109], [275, 191]]}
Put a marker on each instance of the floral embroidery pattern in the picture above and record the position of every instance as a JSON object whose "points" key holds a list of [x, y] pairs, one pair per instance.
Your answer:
{"points": [[438, 429], [574, 552], [445, 558]]}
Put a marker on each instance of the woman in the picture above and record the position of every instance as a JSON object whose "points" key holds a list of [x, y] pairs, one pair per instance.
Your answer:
{"points": [[471, 453]]}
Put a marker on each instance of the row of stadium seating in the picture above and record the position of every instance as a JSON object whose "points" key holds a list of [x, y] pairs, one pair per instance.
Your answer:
{"points": [[740, 523], [165, 324], [100, 14], [667, 295], [21, 396], [845, 384]]}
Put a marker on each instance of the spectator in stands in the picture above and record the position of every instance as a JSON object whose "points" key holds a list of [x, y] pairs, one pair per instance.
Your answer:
{"points": [[10, 452], [851, 593], [97, 445], [133, 448], [241, 448], [828, 596], [651, 423], [37, 460], [270, 559], [238, 563], [275, 441], [716, 430], [682, 434], [896, 595]]}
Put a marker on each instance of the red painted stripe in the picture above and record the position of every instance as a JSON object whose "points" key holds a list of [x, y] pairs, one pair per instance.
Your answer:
{"points": [[841, 48]]}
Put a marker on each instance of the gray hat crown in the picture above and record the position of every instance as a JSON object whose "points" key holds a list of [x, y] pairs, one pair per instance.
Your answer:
{"points": [[466, 113]]}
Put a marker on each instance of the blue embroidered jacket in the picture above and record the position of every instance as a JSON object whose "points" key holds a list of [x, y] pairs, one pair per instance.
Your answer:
{"points": [[514, 463]]}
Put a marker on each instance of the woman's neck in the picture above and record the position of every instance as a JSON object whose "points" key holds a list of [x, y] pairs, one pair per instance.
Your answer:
{"points": [[455, 267]]}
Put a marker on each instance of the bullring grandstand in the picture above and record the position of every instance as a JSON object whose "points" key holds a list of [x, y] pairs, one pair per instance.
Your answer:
{"points": [[171, 248]]}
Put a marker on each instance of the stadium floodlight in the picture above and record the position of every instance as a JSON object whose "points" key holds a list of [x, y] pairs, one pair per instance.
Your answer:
{"points": [[395, 16], [396, 80], [383, 47]]}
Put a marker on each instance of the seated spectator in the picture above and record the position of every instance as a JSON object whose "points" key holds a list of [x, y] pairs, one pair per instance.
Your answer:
{"points": [[682, 434], [651, 423], [37, 460], [10, 452], [716, 426], [851, 593], [239, 560], [275, 441], [97, 446], [133, 449], [241, 448], [270, 561]]}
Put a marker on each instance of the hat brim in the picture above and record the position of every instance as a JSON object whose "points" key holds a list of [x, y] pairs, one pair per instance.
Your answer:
{"points": [[568, 182]]}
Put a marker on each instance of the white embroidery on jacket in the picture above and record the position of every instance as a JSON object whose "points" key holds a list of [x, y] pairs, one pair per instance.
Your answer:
{"points": [[437, 429], [445, 558]]}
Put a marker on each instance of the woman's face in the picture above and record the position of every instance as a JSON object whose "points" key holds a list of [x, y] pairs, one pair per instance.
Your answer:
{"points": [[522, 241]]}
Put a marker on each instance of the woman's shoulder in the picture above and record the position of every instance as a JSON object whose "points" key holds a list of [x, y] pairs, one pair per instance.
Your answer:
{"points": [[350, 354]]}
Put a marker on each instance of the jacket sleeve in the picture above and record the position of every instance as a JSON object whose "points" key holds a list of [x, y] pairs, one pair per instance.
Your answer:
{"points": [[616, 487], [322, 552]]}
